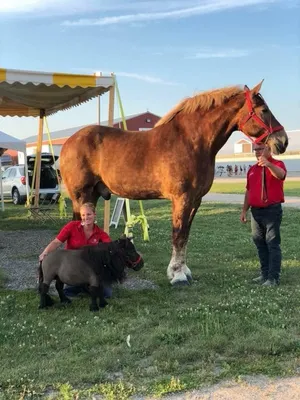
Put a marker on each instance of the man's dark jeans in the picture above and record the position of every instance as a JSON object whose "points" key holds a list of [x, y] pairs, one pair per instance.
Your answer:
{"points": [[265, 225]]}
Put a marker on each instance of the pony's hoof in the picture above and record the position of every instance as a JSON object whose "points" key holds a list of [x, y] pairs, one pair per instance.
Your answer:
{"points": [[180, 283], [94, 308], [66, 301], [189, 278], [104, 304], [48, 301]]}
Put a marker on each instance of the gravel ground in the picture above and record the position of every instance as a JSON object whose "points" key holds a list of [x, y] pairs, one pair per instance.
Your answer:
{"points": [[19, 251]]}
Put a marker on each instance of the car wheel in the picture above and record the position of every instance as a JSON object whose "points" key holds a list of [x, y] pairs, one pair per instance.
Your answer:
{"points": [[16, 198]]}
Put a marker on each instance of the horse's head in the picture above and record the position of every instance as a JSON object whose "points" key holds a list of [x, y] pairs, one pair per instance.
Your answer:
{"points": [[133, 259], [258, 123]]}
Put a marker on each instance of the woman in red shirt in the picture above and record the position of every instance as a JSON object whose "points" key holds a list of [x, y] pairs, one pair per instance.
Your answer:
{"points": [[77, 234]]}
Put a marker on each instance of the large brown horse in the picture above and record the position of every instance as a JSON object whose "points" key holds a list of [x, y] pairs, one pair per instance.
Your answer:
{"points": [[175, 160]]}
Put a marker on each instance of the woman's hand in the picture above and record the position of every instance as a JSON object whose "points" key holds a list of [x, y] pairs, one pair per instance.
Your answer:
{"points": [[42, 256]]}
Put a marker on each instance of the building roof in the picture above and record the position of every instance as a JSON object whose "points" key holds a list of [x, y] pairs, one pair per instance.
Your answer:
{"points": [[243, 141], [11, 142], [65, 133]]}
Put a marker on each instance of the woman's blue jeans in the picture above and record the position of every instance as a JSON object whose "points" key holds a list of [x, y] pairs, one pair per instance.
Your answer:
{"points": [[265, 225], [72, 291]]}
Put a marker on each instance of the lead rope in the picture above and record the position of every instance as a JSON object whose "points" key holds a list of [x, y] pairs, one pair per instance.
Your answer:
{"points": [[264, 193]]}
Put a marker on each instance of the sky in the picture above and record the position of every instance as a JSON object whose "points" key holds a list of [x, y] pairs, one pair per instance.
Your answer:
{"points": [[160, 51]]}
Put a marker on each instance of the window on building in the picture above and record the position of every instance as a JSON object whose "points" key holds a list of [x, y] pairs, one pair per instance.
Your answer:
{"points": [[148, 120]]}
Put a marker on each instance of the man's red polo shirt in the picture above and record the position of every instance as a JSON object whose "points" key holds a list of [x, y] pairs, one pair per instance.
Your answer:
{"points": [[274, 186], [73, 235]]}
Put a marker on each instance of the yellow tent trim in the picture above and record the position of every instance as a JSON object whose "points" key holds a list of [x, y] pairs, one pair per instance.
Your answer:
{"points": [[2, 74], [74, 80], [26, 93]]}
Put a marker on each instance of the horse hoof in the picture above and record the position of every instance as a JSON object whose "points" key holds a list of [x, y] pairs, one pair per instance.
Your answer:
{"points": [[180, 283], [189, 278], [104, 304]]}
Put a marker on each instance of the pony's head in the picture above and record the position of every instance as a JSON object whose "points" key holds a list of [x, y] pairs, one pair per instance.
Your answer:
{"points": [[256, 121], [133, 259]]}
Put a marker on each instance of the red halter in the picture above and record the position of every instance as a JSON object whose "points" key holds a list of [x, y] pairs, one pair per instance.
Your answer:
{"points": [[251, 114], [134, 263]]}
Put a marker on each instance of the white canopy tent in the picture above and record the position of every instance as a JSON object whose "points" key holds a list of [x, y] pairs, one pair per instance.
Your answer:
{"points": [[12, 143], [39, 94]]}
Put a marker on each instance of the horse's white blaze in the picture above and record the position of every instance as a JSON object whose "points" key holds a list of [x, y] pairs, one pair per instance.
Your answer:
{"points": [[177, 269]]}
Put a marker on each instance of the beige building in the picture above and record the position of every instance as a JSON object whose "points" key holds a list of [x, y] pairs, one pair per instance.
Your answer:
{"points": [[243, 146]]}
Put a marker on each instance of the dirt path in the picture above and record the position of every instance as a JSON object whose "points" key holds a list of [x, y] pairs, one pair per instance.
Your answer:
{"points": [[250, 388], [237, 179], [290, 201]]}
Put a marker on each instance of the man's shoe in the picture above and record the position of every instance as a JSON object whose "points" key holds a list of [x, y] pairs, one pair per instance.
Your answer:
{"points": [[270, 282], [259, 280]]}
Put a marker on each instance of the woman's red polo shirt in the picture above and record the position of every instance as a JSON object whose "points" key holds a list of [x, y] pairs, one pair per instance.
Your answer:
{"points": [[74, 236]]}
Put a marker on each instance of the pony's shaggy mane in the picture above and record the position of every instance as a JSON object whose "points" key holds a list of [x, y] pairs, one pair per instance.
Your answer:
{"points": [[203, 101]]}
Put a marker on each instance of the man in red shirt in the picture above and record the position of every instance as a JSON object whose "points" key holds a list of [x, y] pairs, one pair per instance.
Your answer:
{"points": [[264, 195]]}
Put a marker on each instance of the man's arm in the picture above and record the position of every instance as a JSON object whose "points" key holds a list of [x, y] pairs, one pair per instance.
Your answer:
{"points": [[243, 216], [276, 171]]}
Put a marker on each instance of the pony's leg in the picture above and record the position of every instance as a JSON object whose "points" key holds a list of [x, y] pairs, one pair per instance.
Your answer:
{"points": [[45, 299], [60, 290], [182, 216], [94, 290], [102, 302]]}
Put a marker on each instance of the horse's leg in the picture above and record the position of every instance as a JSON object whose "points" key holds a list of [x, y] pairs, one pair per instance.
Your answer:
{"points": [[60, 290], [182, 217], [45, 299]]}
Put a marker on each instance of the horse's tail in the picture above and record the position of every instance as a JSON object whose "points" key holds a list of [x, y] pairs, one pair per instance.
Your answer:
{"points": [[40, 273]]}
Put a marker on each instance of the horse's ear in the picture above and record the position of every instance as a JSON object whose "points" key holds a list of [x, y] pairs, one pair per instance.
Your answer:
{"points": [[257, 88], [123, 236], [246, 89]]}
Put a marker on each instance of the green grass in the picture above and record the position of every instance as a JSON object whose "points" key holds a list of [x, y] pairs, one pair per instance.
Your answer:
{"points": [[220, 327], [291, 188]]}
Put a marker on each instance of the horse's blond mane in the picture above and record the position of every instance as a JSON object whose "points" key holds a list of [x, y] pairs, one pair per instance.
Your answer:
{"points": [[203, 101]]}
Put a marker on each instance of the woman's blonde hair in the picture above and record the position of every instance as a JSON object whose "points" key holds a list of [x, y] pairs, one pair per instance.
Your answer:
{"points": [[88, 205]]}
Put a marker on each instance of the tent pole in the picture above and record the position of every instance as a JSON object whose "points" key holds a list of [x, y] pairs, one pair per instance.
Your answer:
{"points": [[99, 111], [1, 185], [111, 107], [27, 178], [38, 158]]}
